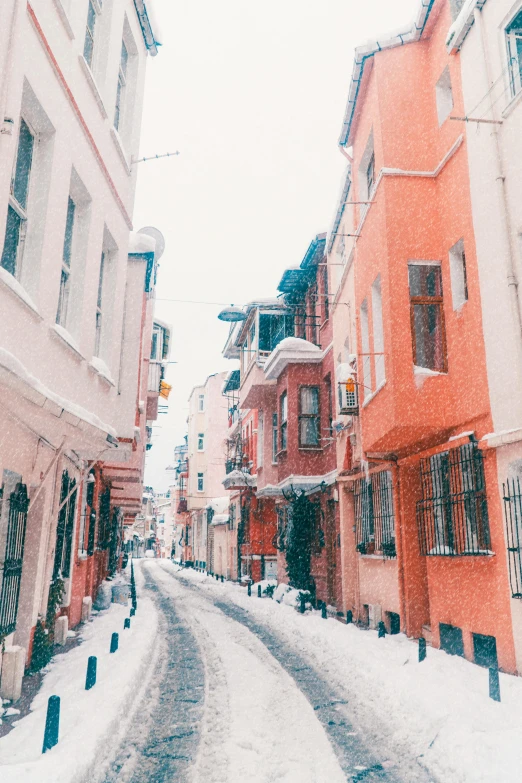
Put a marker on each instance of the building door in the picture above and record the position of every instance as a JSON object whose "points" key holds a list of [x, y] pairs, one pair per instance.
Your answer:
{"points": [[270, 569], [13, 562]]}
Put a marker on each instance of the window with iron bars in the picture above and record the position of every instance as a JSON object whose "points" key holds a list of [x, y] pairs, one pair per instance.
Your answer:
{"points": [[453, 514], [512, 494], [374, 515]]}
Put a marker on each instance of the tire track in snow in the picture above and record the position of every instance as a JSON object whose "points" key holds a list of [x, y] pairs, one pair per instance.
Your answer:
{"points": [[265, 730]]}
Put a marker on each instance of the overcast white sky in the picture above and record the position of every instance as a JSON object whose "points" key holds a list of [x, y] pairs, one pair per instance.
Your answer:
{"points": [[253, 96]]}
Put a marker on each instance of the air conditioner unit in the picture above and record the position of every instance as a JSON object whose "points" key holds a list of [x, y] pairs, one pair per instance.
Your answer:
{"points": [[348, 398]]}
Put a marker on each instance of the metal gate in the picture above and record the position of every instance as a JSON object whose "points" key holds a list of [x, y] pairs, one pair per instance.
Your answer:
{"points": [[14, 554], [512, 492]]}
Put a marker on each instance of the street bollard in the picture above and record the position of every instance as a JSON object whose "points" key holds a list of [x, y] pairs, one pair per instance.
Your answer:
{"points": [[259, 591], [90, 680], [349, 617], [52, 723], [126, 623], [302, 606], [422, 649], [222, 578], [494, 684], [114, 642], [249, 589], [217, 578], [132, 611], [381, 630], [324, 613]]}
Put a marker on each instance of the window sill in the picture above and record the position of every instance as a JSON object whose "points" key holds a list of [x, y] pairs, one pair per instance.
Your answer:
{"points": [[281, 453], [377, 556], [19, 291], [62, 13], [98, 366], [513, 103], [116, 138], [67, 339], [84, 65], [310, 448], [370, 397]]}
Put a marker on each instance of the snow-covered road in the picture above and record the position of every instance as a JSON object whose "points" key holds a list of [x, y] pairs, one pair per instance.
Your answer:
{"points": [[232, 701]]}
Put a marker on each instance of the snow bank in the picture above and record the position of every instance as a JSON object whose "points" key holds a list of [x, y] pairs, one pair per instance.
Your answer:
{"points": [[90, 721], [438, 711]]}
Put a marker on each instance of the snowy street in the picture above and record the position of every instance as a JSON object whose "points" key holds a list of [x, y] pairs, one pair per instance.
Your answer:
{"points": [[231, 700]]}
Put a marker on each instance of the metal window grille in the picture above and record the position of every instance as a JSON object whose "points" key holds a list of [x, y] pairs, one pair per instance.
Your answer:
{"points": [[452, 515], [13, 562], [512, 493], [104, 522], [374, 514], [65, 527]]}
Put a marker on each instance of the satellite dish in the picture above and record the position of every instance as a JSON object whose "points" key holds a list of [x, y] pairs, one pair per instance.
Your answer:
{"points": [[232, 314], [156, 234]]}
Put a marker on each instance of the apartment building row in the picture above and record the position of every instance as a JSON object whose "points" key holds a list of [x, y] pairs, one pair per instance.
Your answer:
{"points": [[82, 360], [375, 422]]}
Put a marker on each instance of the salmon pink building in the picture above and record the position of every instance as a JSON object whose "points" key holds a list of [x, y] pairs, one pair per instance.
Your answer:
{"points": [[422, 527]]}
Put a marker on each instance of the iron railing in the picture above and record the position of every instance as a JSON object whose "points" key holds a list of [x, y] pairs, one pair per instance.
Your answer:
{"points": [[453, 515], [65, 527], [374, 515], [512, 493], [14, 555]]}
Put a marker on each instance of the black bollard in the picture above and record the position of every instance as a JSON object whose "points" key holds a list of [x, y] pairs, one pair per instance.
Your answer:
{"points": [[302, 606], [126, 623], [349, 617], [422, 649], [114, 642], [259, 591], [324, 613], [222, 578], [217, 578], [132, 611], [249, 588], [52, 723], [90, 680], [381, 630], [494, 684]]}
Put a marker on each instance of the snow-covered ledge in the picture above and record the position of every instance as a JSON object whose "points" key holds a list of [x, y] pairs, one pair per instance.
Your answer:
{"points": [[462, 25], [291, 350], [237, 478], [61, 333], [18, 290], [99, 366]]}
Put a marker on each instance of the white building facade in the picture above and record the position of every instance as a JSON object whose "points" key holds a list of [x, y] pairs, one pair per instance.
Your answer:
{"points": [[489, 38], [71, 90]]}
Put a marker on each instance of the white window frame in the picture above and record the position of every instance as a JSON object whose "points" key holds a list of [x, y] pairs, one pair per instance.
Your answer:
{"points": [[200, 478], [65, 274], [96, 7], [201, 441], [201, 403], [514, 57], [444, 96], [365, 348], [20, 210], [119, 105], [378, 333], [99, 305], [458, 275]]}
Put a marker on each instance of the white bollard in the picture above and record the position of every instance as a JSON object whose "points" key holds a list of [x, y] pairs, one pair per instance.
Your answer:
{"points": [[61, 627], [13, 664], [86, 608]]}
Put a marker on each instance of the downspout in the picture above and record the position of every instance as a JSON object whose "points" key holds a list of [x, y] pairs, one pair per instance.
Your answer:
{"points": [[6, 123], [501, 180]]}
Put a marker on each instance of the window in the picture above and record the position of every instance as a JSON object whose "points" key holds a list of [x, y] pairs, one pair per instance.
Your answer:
{"points": [[370, 174], [201, 442], [452, 514], [16, 226], [283, 406], [159, 343], [65, 528], [88, 46], [374, 515], [201, 402], [329, 399], [99, 308], [201, 482], [459, 281], [451, 640], [309, 417], [444, 96], [120, 89], [275, 434], [65, 278], [378, 333], [260, 438], [366, 357], [326, 305], [514, 47], [427, 316]]}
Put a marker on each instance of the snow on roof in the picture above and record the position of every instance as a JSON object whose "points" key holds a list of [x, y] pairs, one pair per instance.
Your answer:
{"points": [[152, 13], [297, 344], [462, 24], [139, 244], [220, 519], [17, 370], [219, 505]]}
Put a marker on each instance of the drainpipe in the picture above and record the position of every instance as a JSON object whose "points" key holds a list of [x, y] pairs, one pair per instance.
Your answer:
{"points": [[6, 123], [501, 180]]}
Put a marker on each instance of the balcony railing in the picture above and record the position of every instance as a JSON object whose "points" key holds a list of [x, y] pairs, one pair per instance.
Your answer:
{"points": [[513, 512]]}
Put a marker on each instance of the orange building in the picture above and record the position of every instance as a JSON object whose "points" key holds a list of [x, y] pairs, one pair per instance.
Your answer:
{"points": [[417, 492]]}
